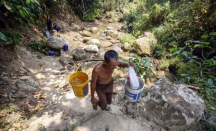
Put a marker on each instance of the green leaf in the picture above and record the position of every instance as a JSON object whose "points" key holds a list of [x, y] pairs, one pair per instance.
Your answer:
{"points": [[204, 36], [210, 81], [22, 13], [3, 37], [213, 33], [206, 43], [183, 74], [28, 1]]}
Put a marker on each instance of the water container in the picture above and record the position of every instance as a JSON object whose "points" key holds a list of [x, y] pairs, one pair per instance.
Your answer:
{"points": [[65, 47], [51, 53], [134, 95], [47, 34], [81, 89]]}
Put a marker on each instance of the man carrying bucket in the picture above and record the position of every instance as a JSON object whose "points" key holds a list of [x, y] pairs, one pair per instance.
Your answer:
{"points": [[102, 81]]}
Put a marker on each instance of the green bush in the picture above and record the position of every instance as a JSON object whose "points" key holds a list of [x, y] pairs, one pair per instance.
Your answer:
{"points": [[38, 46], [91, 15], [159, 51], [127, 38], [191, 68], [12, 36]]}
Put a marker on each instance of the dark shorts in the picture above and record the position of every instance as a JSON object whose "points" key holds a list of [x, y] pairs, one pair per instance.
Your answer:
{"points": [[104, 92]]}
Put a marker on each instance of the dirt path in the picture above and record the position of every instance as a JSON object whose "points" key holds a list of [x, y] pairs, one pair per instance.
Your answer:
{"points": [[62, 110]]}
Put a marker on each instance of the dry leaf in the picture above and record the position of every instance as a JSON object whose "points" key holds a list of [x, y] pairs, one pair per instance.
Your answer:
{"points": [[20, 74], [56, 85]]}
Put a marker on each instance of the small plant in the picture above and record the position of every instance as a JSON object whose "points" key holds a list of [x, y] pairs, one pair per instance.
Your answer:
{"points": [[41, 127], [73, 127], [38, 46], [11, 36], [142, 67]]}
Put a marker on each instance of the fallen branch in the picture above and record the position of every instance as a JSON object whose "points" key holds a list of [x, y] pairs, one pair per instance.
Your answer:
{"points": [[193, 87]]}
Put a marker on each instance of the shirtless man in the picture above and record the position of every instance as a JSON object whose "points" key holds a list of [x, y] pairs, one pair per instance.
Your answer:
{"points": [[102, 81]]}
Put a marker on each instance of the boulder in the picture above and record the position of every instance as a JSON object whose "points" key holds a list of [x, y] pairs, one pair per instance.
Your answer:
{"points": [[126, 46], [160, 74], [86, 39], [115, 19], [171, 106], [111, 33], [94, 30], [106, 44], [94, 42], [109, 38], [86, 33], [143, 46], [91, 48], [56, 42], [79, 54], [149, 35]]}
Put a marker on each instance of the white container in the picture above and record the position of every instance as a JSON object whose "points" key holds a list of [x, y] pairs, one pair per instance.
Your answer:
{"points": [[131, 94]]}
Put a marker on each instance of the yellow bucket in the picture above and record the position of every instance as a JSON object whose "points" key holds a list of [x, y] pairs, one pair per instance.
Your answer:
{"points": [[80, 87]]}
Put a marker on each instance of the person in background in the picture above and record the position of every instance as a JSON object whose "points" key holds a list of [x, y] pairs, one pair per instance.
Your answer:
{"points": [[49, 24], [56, 27], [102, 81]]}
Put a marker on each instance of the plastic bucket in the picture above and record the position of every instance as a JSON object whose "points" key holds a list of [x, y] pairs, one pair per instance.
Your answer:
{"points": [[131, 94], [80, 89]]}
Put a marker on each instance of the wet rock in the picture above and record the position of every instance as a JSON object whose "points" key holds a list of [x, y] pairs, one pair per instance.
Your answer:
{"points": [[171, 106], [79, 54], [86, 33], [91, 48], [94, 42], [106, 44], [94, 30], [56, 42], [143, 45], [86, 39], [126, 46]]}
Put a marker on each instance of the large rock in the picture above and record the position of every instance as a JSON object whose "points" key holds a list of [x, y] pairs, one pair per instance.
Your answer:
{"points": [[86, 33], [143, 46], [171, 106], [94, 30], [94, 42], [91, 48], [79, 54], [106, 44], [56, 42]]}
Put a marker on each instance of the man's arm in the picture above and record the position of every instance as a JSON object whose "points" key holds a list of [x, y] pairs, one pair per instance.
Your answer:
{"points": [[93, 85]]}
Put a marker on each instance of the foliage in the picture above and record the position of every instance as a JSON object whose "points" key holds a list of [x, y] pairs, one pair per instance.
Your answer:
{"points": [[12, 36], [22, 11], [127, 38], [38, 46], [91, 15], [159, 51], [142, 67], [3, 37]]}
